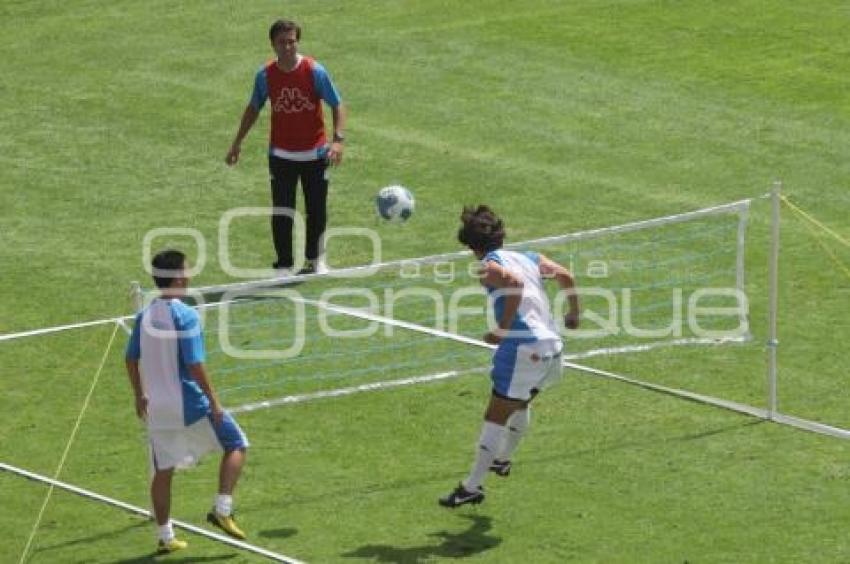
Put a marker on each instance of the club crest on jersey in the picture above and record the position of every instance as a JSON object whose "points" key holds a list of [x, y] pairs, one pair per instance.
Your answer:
{"points": [[292, 100]]}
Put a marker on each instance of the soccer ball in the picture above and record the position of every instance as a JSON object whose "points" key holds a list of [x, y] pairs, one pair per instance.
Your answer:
{"points": [[395, 203]]}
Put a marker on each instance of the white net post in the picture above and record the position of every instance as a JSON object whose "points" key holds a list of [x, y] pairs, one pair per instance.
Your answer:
{"points": [[773, 341], [743, 217], [137, 298]]}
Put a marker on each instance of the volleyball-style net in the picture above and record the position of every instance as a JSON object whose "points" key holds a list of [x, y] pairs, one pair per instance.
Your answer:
{"points": [[676, 280]]}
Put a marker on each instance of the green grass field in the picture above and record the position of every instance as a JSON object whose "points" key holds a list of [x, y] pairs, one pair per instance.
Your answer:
{"points": [[563, 116]]}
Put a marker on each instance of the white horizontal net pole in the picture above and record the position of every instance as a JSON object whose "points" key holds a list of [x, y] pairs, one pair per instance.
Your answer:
{"points": [[59, 328], [733, 207], [354, 312], [433, 259], [144, 513], [701, 398], [812, 426]]}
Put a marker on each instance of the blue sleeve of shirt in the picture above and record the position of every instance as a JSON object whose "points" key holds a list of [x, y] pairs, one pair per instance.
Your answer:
{"points": [[134, 345], [325, 86], [535, 257], [493, 256], [261, 90], [190, 337]]}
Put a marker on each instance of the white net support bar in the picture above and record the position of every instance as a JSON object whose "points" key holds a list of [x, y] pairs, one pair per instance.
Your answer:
{"points": [[757, 412], [740, 206], [145, 513]]}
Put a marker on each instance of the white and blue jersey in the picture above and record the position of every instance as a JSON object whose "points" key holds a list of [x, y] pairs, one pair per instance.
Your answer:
{"points": [[167, 339], [530, 354]]}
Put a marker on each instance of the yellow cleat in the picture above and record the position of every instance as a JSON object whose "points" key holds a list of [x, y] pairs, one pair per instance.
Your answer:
{"points": [[226, 523], [173, 545]]}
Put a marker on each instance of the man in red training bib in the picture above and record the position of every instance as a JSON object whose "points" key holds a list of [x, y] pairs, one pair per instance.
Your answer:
{"points": [[295, 86]]}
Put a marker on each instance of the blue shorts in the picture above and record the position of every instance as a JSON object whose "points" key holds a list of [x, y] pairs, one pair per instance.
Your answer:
{"points": [[229, 433]]}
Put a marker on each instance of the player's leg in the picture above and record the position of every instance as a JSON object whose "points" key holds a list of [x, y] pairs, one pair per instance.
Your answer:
{"points": [[283, 175], [534, 372], [314, 182], [499, 411], [161, 499], [470, 490], [515, 428], [517, 375], [235, 444], [229, 470], [161, 495]]}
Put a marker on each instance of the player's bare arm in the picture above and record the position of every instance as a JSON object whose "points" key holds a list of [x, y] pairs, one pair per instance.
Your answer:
{"points": [[338, 115], [249, 117], [565, 279], [508, 285], [136, 382]]}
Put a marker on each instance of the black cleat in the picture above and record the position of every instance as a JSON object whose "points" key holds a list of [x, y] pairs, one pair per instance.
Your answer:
{"points": [[314, 266], [501, 468], [460, 496], [308, 268]]}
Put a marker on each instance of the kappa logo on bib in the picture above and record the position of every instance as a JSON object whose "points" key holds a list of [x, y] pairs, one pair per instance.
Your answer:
{"points": [[291, 101]]}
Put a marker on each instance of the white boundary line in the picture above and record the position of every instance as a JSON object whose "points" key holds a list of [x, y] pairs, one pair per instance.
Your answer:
{"points": [[372, 386], [658, 345], [758, 412], [139, 511], [746, 409], [247, 286]]}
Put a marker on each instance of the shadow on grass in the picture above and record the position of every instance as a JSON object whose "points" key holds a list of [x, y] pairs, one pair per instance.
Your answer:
{"points": [[246, 296], [440, 478], [625, 445], [92, 538], [470, 542], [174, 557], [282, 533], [180, 557], [367, 489], [721, 430]]}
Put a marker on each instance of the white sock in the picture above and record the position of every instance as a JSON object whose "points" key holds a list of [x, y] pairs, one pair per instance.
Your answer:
{"points": [[224, 504], [166, 533], [488, 445], [514, 431]]}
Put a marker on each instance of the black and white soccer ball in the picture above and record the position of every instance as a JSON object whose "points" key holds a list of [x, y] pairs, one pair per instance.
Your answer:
{"points": [[395, 203]]}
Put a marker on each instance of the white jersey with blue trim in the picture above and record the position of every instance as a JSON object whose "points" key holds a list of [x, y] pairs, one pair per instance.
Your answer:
{"points": [[166, 340], [533, 321]]}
